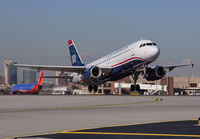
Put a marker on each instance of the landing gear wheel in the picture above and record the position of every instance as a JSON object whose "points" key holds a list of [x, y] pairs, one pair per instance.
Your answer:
{"points": [[95, 87], [90, 88], [137, 87], [132, 88]]}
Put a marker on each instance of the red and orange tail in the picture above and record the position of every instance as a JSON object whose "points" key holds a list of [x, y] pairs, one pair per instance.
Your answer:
{"points": [[40, 81]]}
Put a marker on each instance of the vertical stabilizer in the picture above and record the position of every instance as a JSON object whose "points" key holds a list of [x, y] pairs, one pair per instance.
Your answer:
{"points": [[74, 55], [40, 80]]}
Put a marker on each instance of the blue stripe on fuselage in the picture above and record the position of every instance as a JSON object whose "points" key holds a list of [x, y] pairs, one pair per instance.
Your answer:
{"points": [[27, 87]]}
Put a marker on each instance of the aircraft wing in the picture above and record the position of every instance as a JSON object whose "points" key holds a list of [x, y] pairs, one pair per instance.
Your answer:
{"points": [[171, 67], [168, 67], [60, 76], [77, 69]]}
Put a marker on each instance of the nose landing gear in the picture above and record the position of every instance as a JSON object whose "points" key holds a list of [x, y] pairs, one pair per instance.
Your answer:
{"points": [[135, 86]]}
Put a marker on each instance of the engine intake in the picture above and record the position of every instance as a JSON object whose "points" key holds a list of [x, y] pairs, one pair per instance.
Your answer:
{"points": [[156, 73], [95, 72]]}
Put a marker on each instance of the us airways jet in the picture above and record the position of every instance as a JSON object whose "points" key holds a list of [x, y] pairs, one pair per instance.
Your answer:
{"points": [[129, 60], [28, 88]]}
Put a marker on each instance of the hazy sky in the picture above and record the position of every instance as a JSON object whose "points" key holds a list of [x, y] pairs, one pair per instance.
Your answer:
{"points": [[34, 31]]}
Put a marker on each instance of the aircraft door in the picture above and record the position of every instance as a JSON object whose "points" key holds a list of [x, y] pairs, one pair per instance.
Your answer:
{"points": [[132, 52]]}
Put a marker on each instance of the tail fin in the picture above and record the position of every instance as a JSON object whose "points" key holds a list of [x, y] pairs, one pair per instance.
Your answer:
{"points": [[75, 57], [40, 80]]}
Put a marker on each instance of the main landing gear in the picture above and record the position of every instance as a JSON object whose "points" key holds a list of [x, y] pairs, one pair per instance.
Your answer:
{"points": [[92, 87], [135, 87]]}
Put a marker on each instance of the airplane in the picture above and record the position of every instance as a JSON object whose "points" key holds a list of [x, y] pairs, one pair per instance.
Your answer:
{"points": [[28, 88], [133, 59]]}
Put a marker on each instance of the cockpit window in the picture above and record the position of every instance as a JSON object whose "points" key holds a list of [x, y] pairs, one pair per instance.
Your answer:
{"points": [[142, 45], [147, 44]]}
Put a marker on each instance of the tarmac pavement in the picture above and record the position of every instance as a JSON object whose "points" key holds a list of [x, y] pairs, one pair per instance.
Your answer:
{"points": [[22, 115]]}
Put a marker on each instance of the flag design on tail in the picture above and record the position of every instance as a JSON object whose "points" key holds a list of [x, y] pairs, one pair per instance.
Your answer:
{"points": [[75, 57]]}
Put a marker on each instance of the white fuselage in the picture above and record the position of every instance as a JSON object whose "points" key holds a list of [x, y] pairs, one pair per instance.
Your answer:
{"points": [[123, 62], [147, 53]]}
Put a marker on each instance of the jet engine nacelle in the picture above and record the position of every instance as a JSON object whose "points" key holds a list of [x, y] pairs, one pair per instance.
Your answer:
{"points": [[156, 73], [95, 72], [92, 72]]}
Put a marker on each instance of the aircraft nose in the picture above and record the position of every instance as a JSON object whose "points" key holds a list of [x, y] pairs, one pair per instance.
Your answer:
{"points": [[154, 52]]}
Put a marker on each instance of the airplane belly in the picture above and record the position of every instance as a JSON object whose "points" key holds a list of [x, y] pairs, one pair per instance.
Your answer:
{"points": [[130, 66]]}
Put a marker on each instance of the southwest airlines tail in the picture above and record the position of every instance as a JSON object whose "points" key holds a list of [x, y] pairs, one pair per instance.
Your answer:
{"points": [[40, 80], [75, 57], [39, 84]]}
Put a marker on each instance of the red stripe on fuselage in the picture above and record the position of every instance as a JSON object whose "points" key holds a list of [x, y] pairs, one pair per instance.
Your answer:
{"points": [[127, 61]]}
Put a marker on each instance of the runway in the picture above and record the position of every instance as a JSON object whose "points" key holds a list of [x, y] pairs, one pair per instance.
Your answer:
{"points": [[172, 130], [33, 115]]}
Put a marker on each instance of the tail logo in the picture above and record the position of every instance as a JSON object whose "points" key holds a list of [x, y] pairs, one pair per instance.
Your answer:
{"points": [[74, 58]]}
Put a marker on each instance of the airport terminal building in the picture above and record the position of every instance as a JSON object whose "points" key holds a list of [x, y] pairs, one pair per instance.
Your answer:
{"points": [[173, 85], [10, 72]]}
